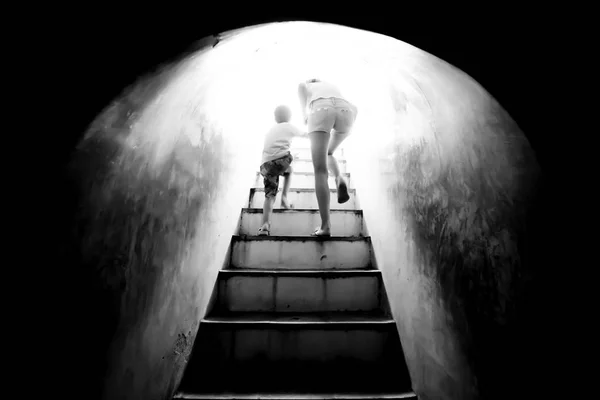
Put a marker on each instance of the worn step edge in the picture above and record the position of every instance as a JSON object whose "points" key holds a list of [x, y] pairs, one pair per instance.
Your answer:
{"points": [[378, 316], [304, 159], [252, 238], [346, 316], [297, 319], [305, 273], [339, 152], [344, 174], [292, 396], [255, 210], [293, 267], [304, 190]]}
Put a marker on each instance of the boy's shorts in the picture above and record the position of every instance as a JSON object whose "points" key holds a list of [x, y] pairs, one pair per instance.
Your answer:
{"points": [[271, 171]]}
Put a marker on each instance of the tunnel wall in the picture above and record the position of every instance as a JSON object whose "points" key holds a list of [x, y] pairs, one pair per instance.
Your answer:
{"points": [[446, 199], [159, 200]]}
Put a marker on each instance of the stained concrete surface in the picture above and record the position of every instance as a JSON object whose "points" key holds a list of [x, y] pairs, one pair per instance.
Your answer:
{"points": [[460, 187], [151, 313], [263, 291], [155, 219], [304, 198]]}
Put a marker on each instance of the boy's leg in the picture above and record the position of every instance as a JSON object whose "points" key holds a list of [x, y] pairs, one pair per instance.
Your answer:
{"points": [[287, 175], [271, 183], [271, 171], [267, 212]]}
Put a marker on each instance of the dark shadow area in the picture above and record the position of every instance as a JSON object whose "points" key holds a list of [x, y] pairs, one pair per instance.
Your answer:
{"points": [[97, 64], [213, 360]]}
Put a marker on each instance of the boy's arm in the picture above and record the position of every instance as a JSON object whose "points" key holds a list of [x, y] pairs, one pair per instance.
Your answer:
{"points": [[297, 132], [302, 133]]}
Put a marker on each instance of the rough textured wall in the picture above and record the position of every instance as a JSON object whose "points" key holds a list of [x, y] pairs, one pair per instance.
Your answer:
{"points": [[159, 201], [446, 199]]}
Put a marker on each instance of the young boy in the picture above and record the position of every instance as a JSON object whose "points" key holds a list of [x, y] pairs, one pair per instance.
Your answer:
{"points": [[276, 161]]}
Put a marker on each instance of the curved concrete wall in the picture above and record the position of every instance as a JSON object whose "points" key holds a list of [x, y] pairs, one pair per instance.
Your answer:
{"points": [[162, 188], [446, 199]]}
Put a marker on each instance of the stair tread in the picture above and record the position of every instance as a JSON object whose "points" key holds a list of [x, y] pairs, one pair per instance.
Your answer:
{"points": [[339, 317], [209, 363], [292, 189], [294, 267], [306, 238], [305, 159], [302, 272], [345, 174], [294, 396], [256, 210]]}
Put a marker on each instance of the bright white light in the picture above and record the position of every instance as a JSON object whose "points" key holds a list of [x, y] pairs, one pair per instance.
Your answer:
{"points": [[237, 85], [252, 72]]}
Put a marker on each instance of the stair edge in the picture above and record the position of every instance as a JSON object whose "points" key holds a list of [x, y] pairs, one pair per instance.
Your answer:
{"points": [[294, 396]]}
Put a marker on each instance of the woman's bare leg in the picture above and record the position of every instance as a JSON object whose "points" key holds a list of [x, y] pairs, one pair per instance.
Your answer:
{"points": [[336, 140], [318, 144]]}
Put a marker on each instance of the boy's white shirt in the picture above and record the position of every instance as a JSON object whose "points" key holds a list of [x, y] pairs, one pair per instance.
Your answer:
{"points": [[279, 139]]}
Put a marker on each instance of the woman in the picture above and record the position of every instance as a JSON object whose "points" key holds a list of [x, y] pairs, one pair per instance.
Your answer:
{"points": [[330, 119]]}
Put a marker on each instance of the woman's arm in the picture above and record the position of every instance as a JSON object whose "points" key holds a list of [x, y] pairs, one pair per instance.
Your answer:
{"points": [[303, 95]]}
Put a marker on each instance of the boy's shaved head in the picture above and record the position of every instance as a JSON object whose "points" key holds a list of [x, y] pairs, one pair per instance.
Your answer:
{"points": [[283, 114]]}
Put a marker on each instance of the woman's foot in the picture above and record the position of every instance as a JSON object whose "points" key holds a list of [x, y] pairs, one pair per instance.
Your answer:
{"points": [[342, 190], [321, 232]]}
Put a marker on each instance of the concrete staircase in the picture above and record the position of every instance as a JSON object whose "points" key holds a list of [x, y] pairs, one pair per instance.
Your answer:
{"points": [[295, 316]]}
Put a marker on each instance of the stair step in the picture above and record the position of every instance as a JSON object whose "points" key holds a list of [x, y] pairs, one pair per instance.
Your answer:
{"points": [[333, 378], [297, 396], [232, 341], [291, 357], [309, 159], [303, 180], [304, 198], [292, 267], [305, 152], [306, 165], [300, 222], [310, 252], [299, 291], [318, 320], [310, 173]]}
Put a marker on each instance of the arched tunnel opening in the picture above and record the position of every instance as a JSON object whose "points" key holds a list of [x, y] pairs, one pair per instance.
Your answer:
{"points": [[449, 188]]}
